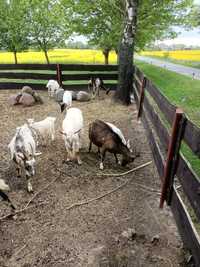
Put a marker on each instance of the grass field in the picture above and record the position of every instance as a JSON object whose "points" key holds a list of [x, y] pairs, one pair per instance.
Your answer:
{"points": [[59, 56], [189, 58], [181, 91]]}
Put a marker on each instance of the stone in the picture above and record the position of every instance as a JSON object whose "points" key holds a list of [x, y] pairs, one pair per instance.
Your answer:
{"points": [[83, 96], [27, 100], [59, 95], [14, 99], [27, 89], [38, 98], [129, 234]]}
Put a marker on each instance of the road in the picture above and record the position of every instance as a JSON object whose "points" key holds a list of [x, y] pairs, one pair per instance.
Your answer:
{"points": [[192, 72]]}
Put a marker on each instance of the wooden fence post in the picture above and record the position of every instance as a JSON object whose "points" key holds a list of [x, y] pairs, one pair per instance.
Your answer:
{"points": [[59, 74], [172, 156], [142, 90]]}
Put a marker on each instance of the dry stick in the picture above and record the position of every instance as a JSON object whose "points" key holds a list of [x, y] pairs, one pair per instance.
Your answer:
{"points": [[18, 251], [109, 192], [28, 203], [124, 173]]}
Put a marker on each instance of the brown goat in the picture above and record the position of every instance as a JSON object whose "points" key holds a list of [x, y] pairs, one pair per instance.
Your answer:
{"points": [[105, 138]]}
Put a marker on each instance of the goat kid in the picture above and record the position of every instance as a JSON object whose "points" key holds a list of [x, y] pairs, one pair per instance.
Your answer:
{"points": [[107, 138], [22, 151], [52, 86], [44, 129], [94, 86], [5, 188], [67, 100], [72, 127]]}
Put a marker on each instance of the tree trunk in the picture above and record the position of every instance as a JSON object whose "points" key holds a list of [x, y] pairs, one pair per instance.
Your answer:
{"points": [[106, 56], [15, 57], [125, 71], [46, 56]]}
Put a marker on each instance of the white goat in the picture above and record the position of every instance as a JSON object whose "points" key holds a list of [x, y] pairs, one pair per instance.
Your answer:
{"points": [[5, 188], [72, 127], [67, 100], [44, 129], [23, 150], [52, 86]]}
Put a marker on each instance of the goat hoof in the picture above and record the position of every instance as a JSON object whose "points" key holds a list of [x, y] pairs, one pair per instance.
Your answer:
{"points": [[101, 166], [30, 188], [80, 162]]}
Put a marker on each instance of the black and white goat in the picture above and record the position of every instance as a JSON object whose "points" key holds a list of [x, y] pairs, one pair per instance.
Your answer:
{"points": [[3, 189], [94, 86], [108, 137], [23, 151]]}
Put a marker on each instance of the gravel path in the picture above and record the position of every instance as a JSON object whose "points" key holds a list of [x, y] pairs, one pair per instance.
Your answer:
{"points": [[192, 72]]}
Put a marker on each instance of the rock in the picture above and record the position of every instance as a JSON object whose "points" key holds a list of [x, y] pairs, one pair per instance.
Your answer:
{"points": [[27, 100], [155, 239], [27, 89], [14, 99], [38, 98], [59, 95], [129, 234], [83, 96]]}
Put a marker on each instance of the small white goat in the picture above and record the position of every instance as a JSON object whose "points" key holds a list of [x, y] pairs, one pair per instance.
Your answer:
{"points": [[44, 129], [72, 127], [5, 188], [52, 86], [23, 150], [67, 100]]}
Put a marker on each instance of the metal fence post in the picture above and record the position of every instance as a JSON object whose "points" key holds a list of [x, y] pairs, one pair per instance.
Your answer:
{"points": [[172, 156], [142, 90], [59, 74]]}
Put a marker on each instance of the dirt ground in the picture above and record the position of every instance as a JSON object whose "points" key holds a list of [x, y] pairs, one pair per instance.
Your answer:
{"points": [[125, 228]]}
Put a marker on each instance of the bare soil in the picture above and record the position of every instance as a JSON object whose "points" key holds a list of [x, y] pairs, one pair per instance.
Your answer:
{"points": [[95, 234]]}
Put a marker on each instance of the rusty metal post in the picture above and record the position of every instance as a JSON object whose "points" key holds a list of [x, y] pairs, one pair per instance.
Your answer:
{"points": [[142, 91], [172, 153], [59, 74]]}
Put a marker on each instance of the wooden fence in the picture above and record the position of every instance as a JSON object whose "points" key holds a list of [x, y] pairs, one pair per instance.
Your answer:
{"points": [[180, 183], [69, 76]]}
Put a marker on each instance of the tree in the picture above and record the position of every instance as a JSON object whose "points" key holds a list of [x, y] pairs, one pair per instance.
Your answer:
{"points": [[125, 72], [13, 27], [47, 25]]}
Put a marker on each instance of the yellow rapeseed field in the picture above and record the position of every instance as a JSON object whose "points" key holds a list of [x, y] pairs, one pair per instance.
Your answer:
{"points": [[59, 56], [187, 55]]}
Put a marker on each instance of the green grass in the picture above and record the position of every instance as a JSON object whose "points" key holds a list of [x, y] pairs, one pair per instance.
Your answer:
{"points": [[181, 91]]}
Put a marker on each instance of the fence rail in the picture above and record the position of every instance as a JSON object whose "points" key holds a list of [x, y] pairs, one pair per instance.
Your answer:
{"points": [[69, 76], [152, 106]]}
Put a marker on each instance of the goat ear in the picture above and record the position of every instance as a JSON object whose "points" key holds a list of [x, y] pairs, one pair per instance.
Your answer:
{"points": [[128, 144], [61, 132]]}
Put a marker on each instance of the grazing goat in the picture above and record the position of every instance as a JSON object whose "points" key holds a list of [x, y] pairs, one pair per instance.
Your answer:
{"points": [[67, 100], [72, 127], [94, 86], [52, 86], [23, 150], [5, 188], [44, 129], [109, 138]]}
